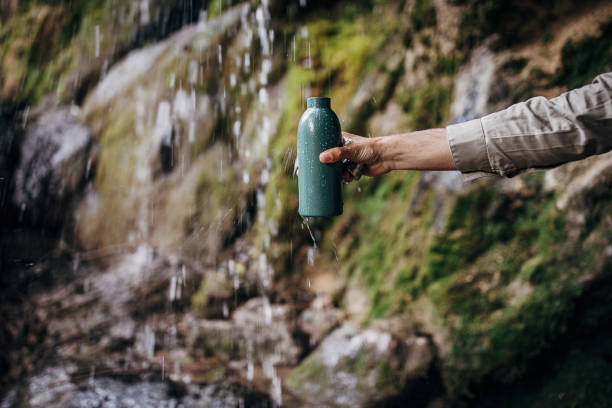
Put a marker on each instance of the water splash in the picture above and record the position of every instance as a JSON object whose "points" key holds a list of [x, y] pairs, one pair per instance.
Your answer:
{"points": [[97, 41], [335, 249], [311, 255], [306, 223]]}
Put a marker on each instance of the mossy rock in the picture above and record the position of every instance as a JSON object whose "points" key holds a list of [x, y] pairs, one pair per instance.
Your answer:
{"points": [[356, 367]]}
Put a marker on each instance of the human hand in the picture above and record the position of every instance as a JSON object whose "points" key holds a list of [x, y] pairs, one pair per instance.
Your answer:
{"points": [[363, 151], [421, 150]]}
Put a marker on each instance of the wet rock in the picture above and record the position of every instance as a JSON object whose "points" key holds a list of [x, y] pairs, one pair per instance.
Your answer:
{"points": [[270, 327], [356, 301], [54, 162], [358, 367], [473, 86], [390, 121], [257, 330], [593, 181], [54, 388], [559, 178], [122, 308], [222, 288], [226, 395], [122, 333], [216, 337], [371, 95], [319, 319]]}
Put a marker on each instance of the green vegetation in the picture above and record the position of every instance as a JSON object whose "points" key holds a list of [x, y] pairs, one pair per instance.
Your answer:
{"points": [[429, 105], [498, 269], [506, 19], [423, 15], [514, 65], [446, 65], [583, 60], [48, 47], [43, 43], [216, 7]]}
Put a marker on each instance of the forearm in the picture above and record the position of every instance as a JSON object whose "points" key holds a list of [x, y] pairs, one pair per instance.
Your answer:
{"points": [[423, 150]]}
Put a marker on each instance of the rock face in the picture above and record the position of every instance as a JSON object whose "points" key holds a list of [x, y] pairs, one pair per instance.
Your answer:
{"points": [[54, 162], [59, 387], [319, 319], [196, 144], [355, 367], [124, 305], [258, 330]]}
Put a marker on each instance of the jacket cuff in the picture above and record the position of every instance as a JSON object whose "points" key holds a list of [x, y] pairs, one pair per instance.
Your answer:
{"points": [[468, 147]]}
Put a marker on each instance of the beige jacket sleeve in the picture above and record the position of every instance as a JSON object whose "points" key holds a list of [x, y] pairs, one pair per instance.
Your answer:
{"points": [[538, 133]]}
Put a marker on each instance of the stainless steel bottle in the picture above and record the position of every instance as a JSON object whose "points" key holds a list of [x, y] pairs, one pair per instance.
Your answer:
{"points": [[320, 185]]}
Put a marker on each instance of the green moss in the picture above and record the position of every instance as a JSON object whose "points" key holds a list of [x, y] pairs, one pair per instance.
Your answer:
{"points": [[115, 174], [221, 343], [496, 326], [41, 57], [428, 106], [309, 369], [547, 37], [216, 374], [345, 47], [532, 270], [468, 233], [216, 7], [380, 253], [584, 59], [48, 45], [506, 19], [423, 15], [446, 65], [199, 300], [514, 65]]}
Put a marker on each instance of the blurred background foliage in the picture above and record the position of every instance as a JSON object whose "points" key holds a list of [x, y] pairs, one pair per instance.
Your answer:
{"points": [[507, 279]]}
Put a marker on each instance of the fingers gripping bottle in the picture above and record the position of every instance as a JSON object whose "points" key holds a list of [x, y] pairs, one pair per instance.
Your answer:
{"points": [[320, 185]]}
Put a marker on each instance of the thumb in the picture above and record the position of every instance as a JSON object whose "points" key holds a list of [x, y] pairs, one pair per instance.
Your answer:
{"points": [[331, 155], [362, 152]]}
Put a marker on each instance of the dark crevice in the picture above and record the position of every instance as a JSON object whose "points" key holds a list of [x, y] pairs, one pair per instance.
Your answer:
{"points": [[419, 393], [244, 220]]}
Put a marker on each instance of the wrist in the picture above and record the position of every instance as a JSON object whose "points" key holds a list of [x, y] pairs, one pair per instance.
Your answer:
{"points": [[395, 151], [421, 150]]}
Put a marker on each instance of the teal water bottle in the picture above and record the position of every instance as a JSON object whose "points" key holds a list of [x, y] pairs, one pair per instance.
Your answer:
{"points": [[320, 185]]}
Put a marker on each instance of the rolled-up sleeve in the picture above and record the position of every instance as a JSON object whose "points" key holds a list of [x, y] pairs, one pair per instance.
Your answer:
{"points": [[537, 133]]}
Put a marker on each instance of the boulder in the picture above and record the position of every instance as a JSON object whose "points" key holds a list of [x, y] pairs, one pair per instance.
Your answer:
{"points": [[55, 160], [222, 289], [258, 330], [358, 367], [62, 386], [319, 319], [270, 328]]}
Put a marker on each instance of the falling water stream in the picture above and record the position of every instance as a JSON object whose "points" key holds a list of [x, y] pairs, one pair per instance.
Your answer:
{"points": [[58, 386]]}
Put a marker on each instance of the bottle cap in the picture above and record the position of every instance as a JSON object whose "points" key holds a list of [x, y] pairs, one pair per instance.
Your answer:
{"points": [[318, 102]]}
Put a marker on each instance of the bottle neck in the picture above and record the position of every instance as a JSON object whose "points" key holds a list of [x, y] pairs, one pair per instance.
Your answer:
{"points": [[318, 102]]}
